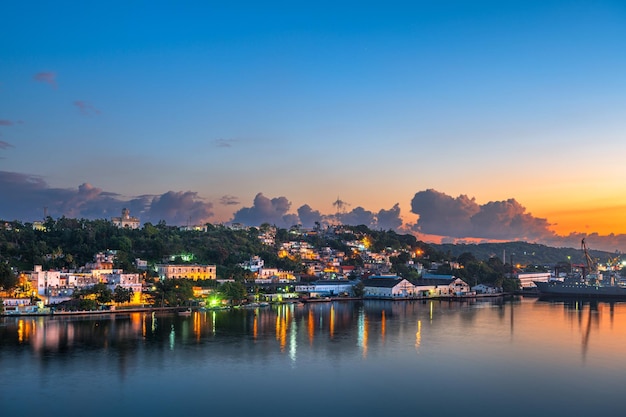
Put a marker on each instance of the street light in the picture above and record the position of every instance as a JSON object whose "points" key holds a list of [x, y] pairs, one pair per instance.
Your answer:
{"points": [[569, 259]]}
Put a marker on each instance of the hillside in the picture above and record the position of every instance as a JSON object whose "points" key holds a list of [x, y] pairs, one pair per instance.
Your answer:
{"points": [[522, 253]]}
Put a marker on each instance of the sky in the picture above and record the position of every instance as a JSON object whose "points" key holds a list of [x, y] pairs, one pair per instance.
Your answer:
{"points": [[457, 121]]}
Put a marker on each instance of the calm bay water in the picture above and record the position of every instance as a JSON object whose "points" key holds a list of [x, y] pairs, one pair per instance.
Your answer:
{"points": [[376, 358]]}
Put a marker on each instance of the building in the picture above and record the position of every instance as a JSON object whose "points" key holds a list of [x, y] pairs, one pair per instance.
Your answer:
{"points": [[443, 286], [127, 281], [126, 220], [187, 271], [528, 280], [327, 288], [45, 281], [388, 288], [486, 289]]}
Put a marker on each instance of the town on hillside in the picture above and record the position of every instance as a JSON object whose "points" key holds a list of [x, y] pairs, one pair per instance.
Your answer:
{"points": [[66, 266]]}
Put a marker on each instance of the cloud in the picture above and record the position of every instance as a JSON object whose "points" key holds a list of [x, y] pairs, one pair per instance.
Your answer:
{"points": [[46, 77], [610, 243], [5, 145], [383, 220], [224, 143], [179, 208], [275, 211], [308, 217], [31, 194], [229, 200], [6, 122], [389, 219], [451, 218], [356, 217], [461, 217], [86, 108], [265, 210]]}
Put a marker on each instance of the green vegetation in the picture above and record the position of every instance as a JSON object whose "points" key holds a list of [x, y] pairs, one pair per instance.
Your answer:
{"points": [[7, 278], [71, 243]]}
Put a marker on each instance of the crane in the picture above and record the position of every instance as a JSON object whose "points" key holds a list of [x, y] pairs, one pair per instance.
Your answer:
{"points": [[590, 264]]}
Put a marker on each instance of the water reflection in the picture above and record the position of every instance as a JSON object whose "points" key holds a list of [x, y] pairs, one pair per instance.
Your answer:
{"points": [[411, 354], [348, 325]]}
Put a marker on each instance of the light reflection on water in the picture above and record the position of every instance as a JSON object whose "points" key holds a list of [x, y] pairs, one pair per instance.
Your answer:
{"points": [[363, 358]]}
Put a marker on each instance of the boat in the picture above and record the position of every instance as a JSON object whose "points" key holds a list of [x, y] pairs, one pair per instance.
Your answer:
{"points": [[591, 284], [581, 289], [186, 312], [27, 310]]}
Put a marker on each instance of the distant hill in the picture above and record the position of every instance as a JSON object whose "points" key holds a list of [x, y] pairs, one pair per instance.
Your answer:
{"points": [[523, 253]]}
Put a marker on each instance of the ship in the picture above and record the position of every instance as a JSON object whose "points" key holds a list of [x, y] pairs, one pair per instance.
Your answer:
{"points": [[590, 284]]}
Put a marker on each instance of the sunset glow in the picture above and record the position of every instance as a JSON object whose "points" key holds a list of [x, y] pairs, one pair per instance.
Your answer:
{"points": [[486, 121]]}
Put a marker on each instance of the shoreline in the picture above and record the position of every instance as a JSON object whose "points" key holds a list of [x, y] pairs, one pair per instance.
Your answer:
{"points": [[182, 308]]}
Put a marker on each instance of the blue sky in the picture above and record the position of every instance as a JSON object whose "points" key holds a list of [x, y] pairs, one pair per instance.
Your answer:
{"points": [[367, 103]]}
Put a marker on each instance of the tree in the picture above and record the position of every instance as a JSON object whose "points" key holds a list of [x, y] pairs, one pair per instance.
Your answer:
{"points": [[122, 295], [174, 292], [359, 289], [234, 291], [103, 293], [466, 258], [8, 279]]}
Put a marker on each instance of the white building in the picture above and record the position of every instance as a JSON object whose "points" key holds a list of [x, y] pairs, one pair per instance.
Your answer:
{"points": [[446, 286], [254, 264], [486, 289], [128, 281], [46, 280], [126, 220], [187, 271], [528, 280], [389, 288], [327, 288]]}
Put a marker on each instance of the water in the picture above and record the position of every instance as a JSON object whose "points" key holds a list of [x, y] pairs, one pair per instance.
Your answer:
{"points": [[376, 358]]}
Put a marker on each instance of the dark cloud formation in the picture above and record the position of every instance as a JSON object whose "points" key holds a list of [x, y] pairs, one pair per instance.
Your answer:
{"points": [[308, 217], [5, 145], [229, 200], [86, 108], [275, 211], [461, 217], [4, 122], [30, 196], [383, 220], [357, 216], [389, 219], [610, 243], [179, 208], [265, 210], [46, 77]]}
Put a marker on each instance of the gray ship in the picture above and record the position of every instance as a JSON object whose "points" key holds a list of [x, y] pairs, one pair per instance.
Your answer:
{"points": [[583, 289], [590, 285]]}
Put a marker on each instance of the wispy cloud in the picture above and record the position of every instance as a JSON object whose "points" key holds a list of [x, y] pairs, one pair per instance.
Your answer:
{"points": [[5, 145], [46, 77], [224, 143], [6, 122], [86, 108], [229, 200]]}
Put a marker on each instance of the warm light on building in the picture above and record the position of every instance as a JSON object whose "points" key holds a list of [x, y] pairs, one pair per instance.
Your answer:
{"points": [[185, 271]]}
